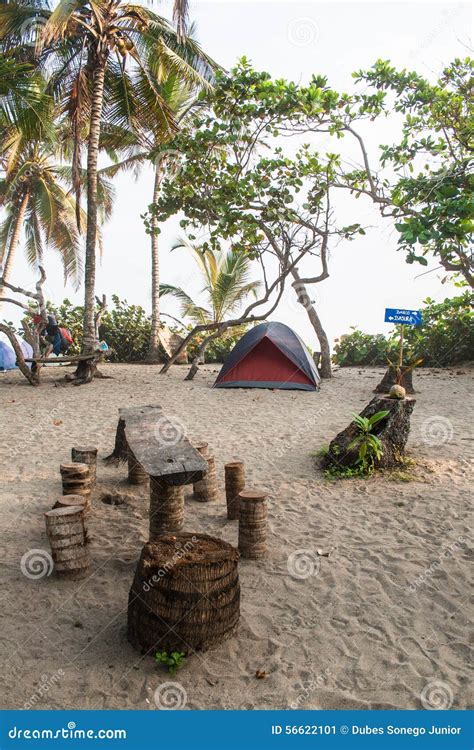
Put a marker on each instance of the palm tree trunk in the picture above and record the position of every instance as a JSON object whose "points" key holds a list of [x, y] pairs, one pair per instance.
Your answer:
{"points": [[154, 348], [89, 333], [304, 300], [15, 239]]}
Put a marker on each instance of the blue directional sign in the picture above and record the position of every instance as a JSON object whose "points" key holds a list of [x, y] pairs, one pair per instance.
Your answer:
{"points": [[402, 317]]}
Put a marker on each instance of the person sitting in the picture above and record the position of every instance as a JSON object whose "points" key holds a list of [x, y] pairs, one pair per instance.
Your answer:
{"points": [[58, 339]]}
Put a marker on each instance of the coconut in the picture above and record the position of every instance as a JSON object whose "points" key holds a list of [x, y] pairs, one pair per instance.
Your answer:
{"points": [[397, 391]]}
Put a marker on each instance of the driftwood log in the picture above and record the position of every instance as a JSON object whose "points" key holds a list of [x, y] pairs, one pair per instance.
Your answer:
{"points": [[392, 431], [234, 484], [166, 508], [390, 378], [68, 539], [253, 524], [76, 479], [185, 595], [86, 455]]}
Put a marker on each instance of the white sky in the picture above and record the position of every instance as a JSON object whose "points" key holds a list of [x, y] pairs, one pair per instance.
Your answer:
{"points": [[294, 40]]}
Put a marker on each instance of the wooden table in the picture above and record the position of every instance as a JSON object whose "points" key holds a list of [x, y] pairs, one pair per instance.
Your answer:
{"points": [[161, 447]]}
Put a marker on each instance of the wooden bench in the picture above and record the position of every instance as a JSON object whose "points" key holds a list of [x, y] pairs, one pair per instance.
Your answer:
{"points": [[86, 365], [63, 358], [158, 445]]}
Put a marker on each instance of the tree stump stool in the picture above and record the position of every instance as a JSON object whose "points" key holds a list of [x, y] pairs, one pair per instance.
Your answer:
{"points": [[234, 484], [206, 490], [166, 508], [253, 524], [68, 539], [76, 479], [70, 501], [185, 595], [390, 378], [392, 431], [202, 448], [86, 455], [136, 473]]}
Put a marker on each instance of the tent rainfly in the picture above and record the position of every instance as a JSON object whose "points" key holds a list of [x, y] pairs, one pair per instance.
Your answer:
{"points": [[270, 355]]}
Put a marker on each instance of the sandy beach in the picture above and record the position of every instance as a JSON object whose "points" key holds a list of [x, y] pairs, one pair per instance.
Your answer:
{"points": [[376, 624]]}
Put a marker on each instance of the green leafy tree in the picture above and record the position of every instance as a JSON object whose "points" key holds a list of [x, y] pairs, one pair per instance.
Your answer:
{"points": [[96, 51], [182, 98], [426, 180], [445, 338], [237, 185]]}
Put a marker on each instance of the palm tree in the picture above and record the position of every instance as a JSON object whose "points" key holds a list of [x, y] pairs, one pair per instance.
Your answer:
{"points": [[96, 48], [37, 202], [226, 276], [183, 100], [34, 187]]}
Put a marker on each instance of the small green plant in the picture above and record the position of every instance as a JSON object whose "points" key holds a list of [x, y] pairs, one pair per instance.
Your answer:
{"points": [[344, 472], [368, 444], [173, 661]]}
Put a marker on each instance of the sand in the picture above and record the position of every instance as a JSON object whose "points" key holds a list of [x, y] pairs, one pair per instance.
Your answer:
{"points": [[382, 622]]}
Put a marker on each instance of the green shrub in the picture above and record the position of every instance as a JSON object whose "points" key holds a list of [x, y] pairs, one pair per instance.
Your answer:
{"points": [[445, 338], [358, 349], [127, 329], [218, 350]]}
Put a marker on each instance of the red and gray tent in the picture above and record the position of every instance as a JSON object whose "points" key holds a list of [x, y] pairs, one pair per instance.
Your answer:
{"points": [[270, 355]]}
